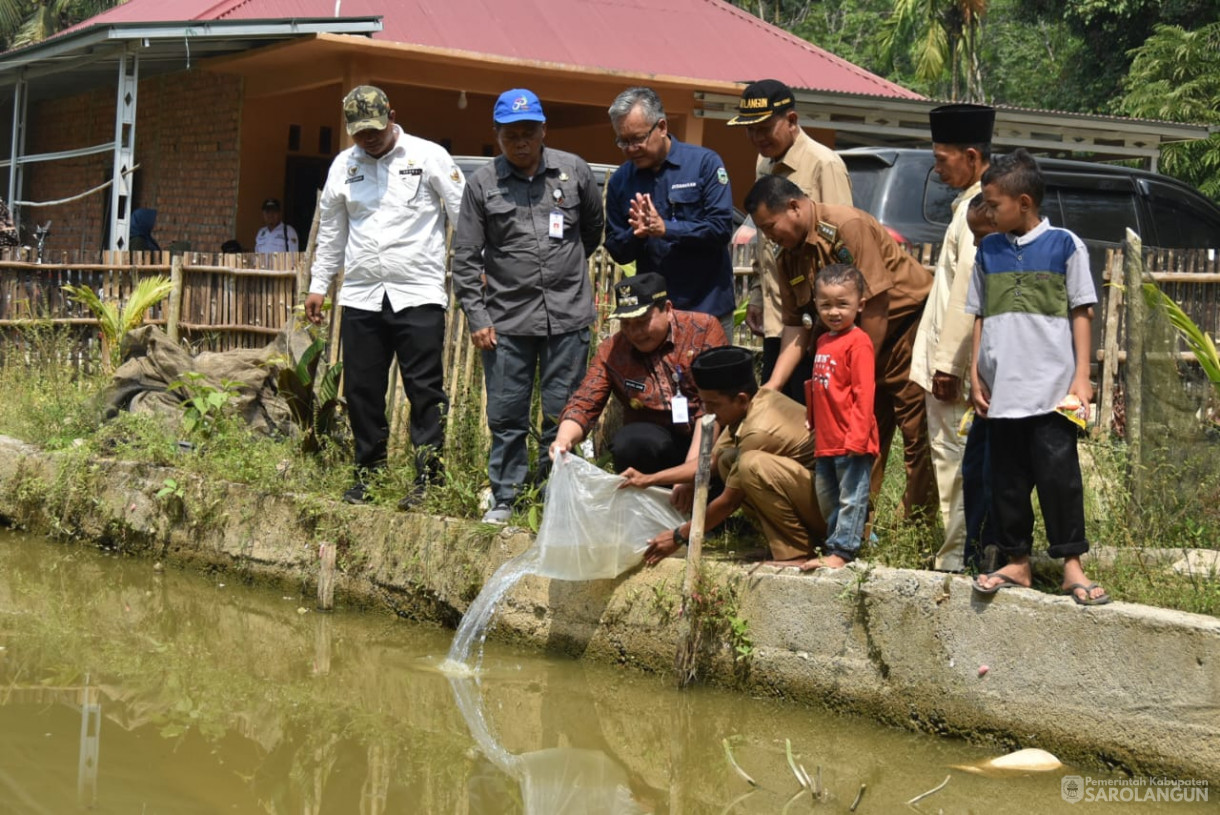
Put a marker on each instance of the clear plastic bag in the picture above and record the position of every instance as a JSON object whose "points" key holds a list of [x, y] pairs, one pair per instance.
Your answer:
{"points": [[590, 528]]}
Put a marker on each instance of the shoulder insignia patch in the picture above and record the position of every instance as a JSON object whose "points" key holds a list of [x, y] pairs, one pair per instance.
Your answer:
{"points": [[456, 175], [828, 231], [722, 176], [843, 255]]}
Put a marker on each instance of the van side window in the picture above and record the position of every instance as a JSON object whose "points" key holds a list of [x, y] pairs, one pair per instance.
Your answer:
{"points": [[1180, 222], [938, 200], [1098, 215]]}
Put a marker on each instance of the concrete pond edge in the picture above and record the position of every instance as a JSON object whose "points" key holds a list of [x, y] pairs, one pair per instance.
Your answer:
{"points": [[1124, 686]]}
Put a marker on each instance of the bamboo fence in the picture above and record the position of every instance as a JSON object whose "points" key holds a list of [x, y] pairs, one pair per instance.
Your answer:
{"points": [[243, 300], [1191, 277]]}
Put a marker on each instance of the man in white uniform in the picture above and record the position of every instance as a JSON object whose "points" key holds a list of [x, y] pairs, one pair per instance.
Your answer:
{"points": [[275, 236], [385, 205]]}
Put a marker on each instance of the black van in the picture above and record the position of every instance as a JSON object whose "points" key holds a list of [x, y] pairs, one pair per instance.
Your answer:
{"points": [[1096, 201]]}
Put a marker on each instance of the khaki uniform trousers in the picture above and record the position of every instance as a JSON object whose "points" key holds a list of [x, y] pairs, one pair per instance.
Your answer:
{"points": [[899, 405], [780, 498], [947, 448]]}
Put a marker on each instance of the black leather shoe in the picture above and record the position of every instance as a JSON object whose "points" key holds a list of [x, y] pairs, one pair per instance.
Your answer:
{"points": [[414, 498], [356, 494]]}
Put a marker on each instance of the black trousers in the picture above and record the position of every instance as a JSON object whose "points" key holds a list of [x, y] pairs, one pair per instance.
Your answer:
{"points": [[648, 447], [795, 387], [370, 341], [1037, 452]]}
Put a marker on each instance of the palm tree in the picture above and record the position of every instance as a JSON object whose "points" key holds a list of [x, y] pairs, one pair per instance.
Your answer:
{"points": [[115, 322], [945, 36], [25, 22]]}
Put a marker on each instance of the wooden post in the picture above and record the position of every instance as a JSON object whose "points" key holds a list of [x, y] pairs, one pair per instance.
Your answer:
{"points": [[175, 298], [321, 646], [326, 577], [305, 259], [1133, 279], [1108, 370], [688, 638]]}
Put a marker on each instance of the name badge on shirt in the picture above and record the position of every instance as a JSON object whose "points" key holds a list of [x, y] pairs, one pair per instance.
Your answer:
{"points": [[680, 409], [556, 228]]}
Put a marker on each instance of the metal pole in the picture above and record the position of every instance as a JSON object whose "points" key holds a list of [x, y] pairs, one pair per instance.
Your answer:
{"points": [[18, 139], [124, 148]]}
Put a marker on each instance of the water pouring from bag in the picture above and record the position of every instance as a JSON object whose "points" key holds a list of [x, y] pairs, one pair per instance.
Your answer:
{"points": [[591, 530]]}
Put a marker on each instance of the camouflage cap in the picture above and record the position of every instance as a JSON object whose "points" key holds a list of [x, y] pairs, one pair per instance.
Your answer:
{"points": [[366, 108]]}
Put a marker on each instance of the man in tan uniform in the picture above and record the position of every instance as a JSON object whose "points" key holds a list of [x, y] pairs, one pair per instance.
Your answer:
{"points": [[767, 110], [764, 455], [814, 235], [961, 145]]}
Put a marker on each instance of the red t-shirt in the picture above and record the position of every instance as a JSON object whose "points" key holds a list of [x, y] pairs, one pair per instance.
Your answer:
{"points": [[840, 395]]}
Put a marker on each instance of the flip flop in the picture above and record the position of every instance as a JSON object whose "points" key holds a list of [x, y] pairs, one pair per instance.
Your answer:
{"points": [[1006, 582], [1071, 590]]}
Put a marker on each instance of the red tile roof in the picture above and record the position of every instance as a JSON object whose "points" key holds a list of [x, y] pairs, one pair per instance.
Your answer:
{"points": [[697, 39]]}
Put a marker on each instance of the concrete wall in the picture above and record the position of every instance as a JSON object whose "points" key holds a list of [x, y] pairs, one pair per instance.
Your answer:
{"points": [[1123, 686]]}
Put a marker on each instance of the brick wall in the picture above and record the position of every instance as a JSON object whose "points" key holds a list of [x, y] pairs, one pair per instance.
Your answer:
{"points": [[187, 146]]}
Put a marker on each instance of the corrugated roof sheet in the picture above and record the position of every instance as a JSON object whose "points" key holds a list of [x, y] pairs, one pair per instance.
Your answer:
{"points": [[698, 39]]}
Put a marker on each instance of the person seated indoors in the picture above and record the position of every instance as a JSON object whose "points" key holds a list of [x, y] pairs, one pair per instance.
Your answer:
{"points": [[1031, 294], [143, 222], [763, 455], [646, 366]]}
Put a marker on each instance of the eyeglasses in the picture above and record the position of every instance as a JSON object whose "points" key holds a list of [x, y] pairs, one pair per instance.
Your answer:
{"points": [[624, 144]]}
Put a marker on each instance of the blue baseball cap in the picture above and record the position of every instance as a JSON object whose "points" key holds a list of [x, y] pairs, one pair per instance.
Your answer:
{"points": [[518, 105]]}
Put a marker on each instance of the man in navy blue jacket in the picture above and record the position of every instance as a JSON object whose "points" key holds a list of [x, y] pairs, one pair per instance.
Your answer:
{"points": [[669, 209]]}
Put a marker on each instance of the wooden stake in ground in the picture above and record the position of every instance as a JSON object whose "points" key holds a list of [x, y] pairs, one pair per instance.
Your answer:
{"points": [[305, 260], [175, 299], [326, 576], [1133, 280], [688, 634]]}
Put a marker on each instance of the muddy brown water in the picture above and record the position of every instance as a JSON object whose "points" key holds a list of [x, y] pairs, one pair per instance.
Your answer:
{"points": [[124, 689]]}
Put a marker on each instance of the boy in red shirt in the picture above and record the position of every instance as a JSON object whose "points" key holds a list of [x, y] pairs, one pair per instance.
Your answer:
{"points": [[840, 400]]}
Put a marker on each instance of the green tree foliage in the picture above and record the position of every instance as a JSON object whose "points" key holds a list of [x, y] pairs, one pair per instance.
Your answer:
{"points": [[1029, 62], [942, 38], [1106, 32], [1175, 76], [25, 22], [786, 14]]}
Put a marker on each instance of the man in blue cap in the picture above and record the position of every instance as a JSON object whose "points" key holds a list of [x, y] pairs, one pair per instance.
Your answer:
{"points": [[529, 221]]}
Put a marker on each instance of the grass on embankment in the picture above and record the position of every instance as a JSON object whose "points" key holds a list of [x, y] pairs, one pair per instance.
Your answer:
{"points": [[47, 404]]}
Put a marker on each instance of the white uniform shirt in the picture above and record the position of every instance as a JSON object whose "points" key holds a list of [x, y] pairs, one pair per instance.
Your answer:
{"points": [[383, 222], [943, 340], [282, 238]]}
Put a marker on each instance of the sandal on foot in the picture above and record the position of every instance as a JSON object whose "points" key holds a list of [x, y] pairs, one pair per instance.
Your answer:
{"points": [[1087, 588], [1006, 582]]}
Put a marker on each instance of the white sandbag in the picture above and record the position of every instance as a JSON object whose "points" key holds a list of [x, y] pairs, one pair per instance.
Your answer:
{"points": [[590, 528]]}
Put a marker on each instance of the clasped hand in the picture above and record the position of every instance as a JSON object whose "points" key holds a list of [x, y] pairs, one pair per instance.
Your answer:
{"points": [[643, 218]]}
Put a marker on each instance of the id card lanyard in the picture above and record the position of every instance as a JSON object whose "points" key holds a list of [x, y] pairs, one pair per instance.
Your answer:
{"points": [[679, 408], [555, 220]]}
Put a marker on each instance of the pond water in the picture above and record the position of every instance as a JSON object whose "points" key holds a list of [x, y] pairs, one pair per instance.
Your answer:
{"points": [[124, 689]]}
